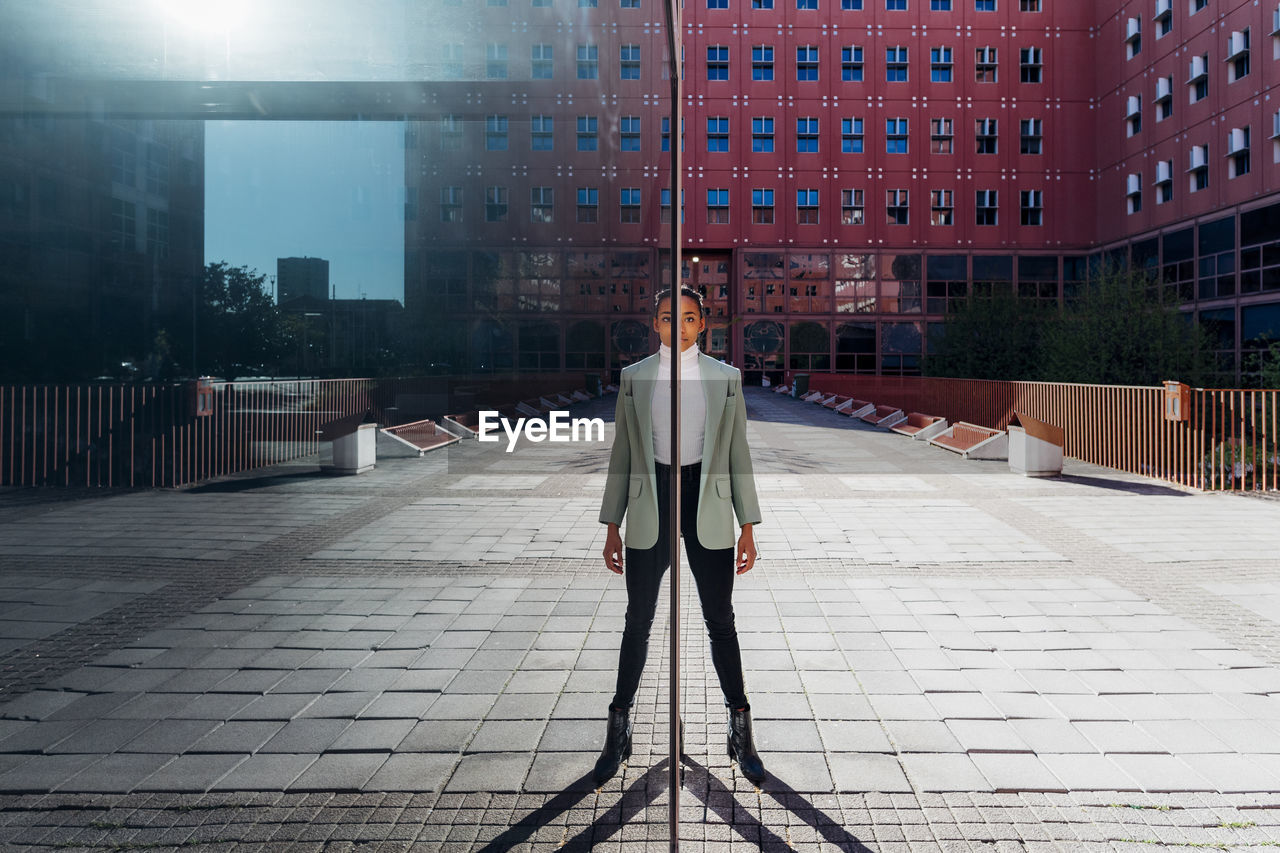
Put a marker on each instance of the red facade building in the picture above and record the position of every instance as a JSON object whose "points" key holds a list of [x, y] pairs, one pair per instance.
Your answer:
{"points": [[852, 168]]}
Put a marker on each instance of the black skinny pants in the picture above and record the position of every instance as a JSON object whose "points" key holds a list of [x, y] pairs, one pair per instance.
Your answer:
{"points": [[713, 571]]}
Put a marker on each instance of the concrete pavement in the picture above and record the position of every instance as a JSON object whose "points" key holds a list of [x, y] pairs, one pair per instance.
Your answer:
{"points": [[940, 656]]}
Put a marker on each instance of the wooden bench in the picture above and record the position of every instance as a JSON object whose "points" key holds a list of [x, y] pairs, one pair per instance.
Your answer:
{"points": [[920, 426], [884, 416], [973, 442], [856, 408], [836, 401]]}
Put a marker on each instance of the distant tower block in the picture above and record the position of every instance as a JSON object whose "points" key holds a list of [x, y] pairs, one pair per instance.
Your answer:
{"points": [[297, 277]]}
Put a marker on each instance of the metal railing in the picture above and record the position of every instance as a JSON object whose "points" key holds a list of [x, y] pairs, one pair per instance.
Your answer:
{"points": [[1229, 439]]}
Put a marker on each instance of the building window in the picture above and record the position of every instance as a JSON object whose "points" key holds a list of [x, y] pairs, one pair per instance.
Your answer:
{"points": [[717, 207], [807, 62], [941, 135], [851, 5], [1164, 98], [988, 131], [806, 134], [986, 66], [895, 5], [807, 207], [588, 4], [717, 62], [1029, 6], [157, 233], [451, 133], [588, 62], [495, 133], [895, 64], [939, 5], [717, 4], [1133, 193], [1164, 181], [761, 4], [1199, 168], [806, 4], [1197, 5], [1237, 152], [762, 207], [629, 4], [451, 204], [1032, 132], [495, 204], [895, 132], [762, 134], [629, 137], [898, 206], [629, 62], [1032, 206], [451, 61], [542, 65], [629, 205], [1133, 114], [1133, 38], [988, 207], [542, 134], [495, 67], [851, 136], [940, 64], [541, 204], [665, 144], [984, 5], [1198, 82], [942, 207], [664, 206], [852, 211], [851, 64], [762, 62], [158, 170], [1237, 55], [588, 137], [717, 134], [1164, 18], [588, 204], [1031, 64]]}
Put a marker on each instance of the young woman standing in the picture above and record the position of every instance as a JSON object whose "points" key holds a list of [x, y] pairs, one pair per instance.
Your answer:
{"points": [[716, 482]]}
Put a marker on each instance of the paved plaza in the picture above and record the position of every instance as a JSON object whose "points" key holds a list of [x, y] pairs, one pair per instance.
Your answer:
{"points": [[940, 655]]}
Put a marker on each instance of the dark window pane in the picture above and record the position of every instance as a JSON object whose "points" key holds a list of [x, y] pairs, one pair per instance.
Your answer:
{"points": [[992, 267], [1219, 236]]}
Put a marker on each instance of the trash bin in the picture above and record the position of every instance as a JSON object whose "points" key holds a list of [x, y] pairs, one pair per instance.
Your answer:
{"points": [[1035, 447], [594, 386], [801, 385], [357, 451]]}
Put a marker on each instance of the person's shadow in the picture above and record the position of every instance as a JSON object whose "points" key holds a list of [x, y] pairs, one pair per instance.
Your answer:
{"points": [[644, 790]]}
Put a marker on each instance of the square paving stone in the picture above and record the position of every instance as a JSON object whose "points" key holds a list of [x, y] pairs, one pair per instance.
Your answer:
{"points": [[190, 773], [438, 736], [805, 772], [987, 735], [462, 707], [340, 771], [1016, 772], [238, 736], [275, 706], [340, 706], [1231, 773], [418, 772], [563, 771], [493, 772], [781, 706], [265, 772], [1112, 736], [373, 736], [944, 772], [833, 706], [306, 736], [99, 736], [43, 773], [580, 706], [408, 706], [525, 706], [1044, 736], [506, 735], [484, 681], [170, 737], [1183, 737], [773, 735], [858, 772], [572, 736], [1161, 773], [433, 680], [1082, 772], [114, 774], [853, 736]]}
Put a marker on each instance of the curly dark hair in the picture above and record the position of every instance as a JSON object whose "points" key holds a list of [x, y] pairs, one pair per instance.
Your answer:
{"points": [[685, 290]]}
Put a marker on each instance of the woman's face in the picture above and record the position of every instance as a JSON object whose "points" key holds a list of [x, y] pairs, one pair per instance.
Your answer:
{"points": [[691, 322]]}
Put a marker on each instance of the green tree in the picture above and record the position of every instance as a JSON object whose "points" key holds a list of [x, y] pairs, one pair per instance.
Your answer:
{"points": [[996, 337], [238, 330], [1263, 366]]}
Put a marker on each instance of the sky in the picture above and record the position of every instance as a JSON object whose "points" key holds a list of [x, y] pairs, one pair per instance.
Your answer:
{"points": [[332, 190]]}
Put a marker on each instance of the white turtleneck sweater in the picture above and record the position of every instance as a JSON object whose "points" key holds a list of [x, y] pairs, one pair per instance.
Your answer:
{"points": [[693, 407]]}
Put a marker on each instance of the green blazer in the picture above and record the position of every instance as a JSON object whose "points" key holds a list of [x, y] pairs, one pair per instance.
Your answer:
{"points": [[727, 485]]}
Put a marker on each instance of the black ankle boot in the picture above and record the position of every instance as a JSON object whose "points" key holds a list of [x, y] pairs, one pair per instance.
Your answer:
{"points": [[617, 745], [741, 747]]}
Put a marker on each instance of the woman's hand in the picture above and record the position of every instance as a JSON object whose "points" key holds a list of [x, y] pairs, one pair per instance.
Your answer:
{"points": [[746, 550], [613, 550]]}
